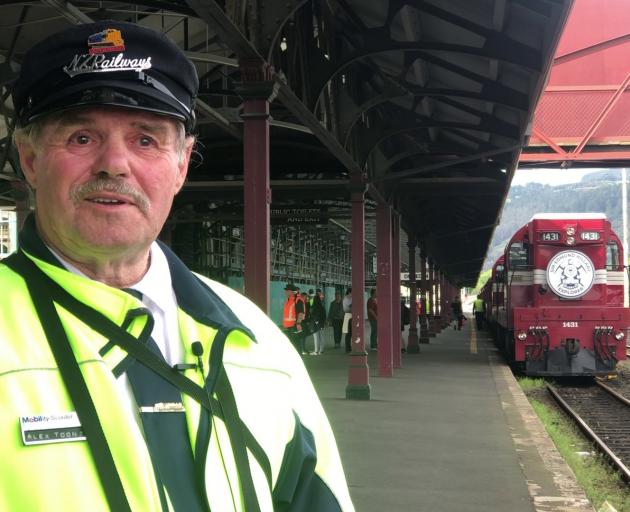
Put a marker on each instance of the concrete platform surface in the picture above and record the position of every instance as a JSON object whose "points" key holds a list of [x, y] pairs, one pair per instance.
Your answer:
{"points": [[450, 432]]}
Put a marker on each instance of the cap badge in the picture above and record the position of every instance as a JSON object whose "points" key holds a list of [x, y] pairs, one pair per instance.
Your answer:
{"points": [[106, 41]]}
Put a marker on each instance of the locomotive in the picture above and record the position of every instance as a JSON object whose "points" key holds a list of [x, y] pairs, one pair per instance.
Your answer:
{"points": [[555, 298]]}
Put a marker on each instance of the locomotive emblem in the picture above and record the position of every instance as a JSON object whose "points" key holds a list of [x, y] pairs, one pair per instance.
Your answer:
{"points": [[570, 274]]}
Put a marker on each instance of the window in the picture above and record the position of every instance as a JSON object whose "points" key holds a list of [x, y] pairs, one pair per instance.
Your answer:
{"points": [[612, 256], [518, 257]]}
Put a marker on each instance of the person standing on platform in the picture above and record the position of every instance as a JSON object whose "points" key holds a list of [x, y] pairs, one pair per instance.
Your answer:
{"points": [[300, 322], [318, 318], [347, 319], [479, 310], [404, 321], [159, 381], [458, 314], [372, 312], [335, 318], [289, 315]]}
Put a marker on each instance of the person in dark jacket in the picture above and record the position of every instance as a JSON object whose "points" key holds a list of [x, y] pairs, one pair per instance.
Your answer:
{"points": [[335, 318], [458, 314], [317, 316]]}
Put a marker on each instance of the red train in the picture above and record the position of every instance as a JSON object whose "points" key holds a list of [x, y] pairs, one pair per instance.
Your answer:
{"points": [[555, 299]]}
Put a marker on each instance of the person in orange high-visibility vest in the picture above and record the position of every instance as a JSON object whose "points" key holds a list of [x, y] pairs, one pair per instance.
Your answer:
{"points": [[289, 315]]}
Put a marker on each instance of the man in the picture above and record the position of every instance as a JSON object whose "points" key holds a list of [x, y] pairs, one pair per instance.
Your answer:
{"points": [[335, 317], [479, 309], [347, 318], [372, 316], [458, 314], [289, 314], [128, 383]]}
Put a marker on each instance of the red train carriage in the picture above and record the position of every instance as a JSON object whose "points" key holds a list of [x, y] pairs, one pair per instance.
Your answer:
{"points": [[557, 296]]}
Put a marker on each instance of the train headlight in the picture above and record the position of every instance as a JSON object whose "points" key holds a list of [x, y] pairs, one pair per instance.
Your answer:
{"points": [[619, 336], [522, 336], [570, 231], [570, 240]]}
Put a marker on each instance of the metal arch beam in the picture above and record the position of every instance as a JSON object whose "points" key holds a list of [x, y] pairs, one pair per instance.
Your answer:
{"points": [[292, 7], [429, 123], [69, 11], [541, 7], [442, 165], [371, 49], [409, 90], [495, 41], [484, 116], [210, 12], [501, 93]]}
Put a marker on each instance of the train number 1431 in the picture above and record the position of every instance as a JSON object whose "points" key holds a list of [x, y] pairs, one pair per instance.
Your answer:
{"points": [[570, 324]]}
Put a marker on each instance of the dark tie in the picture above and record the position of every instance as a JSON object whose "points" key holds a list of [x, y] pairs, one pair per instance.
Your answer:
{"points": [[166, 433]]}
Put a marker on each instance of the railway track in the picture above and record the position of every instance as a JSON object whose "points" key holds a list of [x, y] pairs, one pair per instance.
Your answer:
{"points": [[604, 416]]}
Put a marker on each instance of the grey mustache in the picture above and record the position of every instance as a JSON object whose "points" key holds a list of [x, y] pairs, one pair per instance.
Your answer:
{"points": [[80, 192]]}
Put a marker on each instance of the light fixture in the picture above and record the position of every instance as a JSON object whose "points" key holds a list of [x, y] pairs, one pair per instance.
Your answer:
{"points": [[283, 44]]}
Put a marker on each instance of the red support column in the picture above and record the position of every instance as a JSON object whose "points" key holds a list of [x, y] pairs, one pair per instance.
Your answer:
{"points": [[358, 387], [424, 293], [257, 90], [443, 299], [384, 290], [397, 344], [432, 303], [412, 340]]}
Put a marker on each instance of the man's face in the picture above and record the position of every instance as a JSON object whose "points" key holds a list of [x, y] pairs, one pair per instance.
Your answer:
{"points": [[105, 180]]}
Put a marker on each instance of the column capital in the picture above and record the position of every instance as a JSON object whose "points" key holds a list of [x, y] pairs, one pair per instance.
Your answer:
{"points": [[257, 81]]}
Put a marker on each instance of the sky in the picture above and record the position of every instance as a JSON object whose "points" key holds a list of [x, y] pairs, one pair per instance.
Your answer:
{"points": [[549, 176]]}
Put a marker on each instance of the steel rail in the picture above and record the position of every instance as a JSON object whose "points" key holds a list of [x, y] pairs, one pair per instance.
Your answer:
{"points": [[623, 469]]}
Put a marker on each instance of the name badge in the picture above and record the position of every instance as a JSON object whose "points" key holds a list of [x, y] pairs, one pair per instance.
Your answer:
{"points": [[51, 428]]}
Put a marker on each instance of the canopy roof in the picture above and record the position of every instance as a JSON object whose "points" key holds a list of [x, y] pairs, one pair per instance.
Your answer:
{"points": [[428, 103]]}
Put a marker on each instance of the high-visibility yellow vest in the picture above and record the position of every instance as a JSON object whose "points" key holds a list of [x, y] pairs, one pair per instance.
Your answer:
{"points": [[291, 450], [479, 306]]}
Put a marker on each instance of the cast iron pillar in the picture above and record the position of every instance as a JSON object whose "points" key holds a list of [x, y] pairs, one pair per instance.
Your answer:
{"points": [[432, 310], [412, 340], [443, 294], [386, 304], [257, 90], [397, 344], [424, 326], [358, 387]]}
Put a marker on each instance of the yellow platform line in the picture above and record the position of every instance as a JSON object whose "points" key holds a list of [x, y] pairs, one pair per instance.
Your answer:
{"points": [[473, 339]]}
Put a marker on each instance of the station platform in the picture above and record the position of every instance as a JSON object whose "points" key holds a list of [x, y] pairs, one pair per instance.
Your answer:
{"points": [[450, 432]]}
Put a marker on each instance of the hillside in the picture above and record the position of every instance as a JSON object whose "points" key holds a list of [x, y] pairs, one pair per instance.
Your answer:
{"points": [[597, 192]]}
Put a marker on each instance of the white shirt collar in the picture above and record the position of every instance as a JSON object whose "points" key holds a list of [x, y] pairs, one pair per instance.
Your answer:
{"points": [[155, 285]]}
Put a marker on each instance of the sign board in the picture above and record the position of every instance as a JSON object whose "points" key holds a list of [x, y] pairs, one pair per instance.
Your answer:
{"points": [[290, 215]]}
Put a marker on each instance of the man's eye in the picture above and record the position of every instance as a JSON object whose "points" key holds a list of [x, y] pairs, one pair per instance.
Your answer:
{"points": [[146, 141], [81, 139]]}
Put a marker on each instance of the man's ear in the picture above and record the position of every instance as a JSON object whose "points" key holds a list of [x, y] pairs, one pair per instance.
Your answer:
{"points": [[183, 163], [27, 161]]}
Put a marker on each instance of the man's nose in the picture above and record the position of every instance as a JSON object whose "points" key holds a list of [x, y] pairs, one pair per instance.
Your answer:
{"points": [[113, 158]]}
